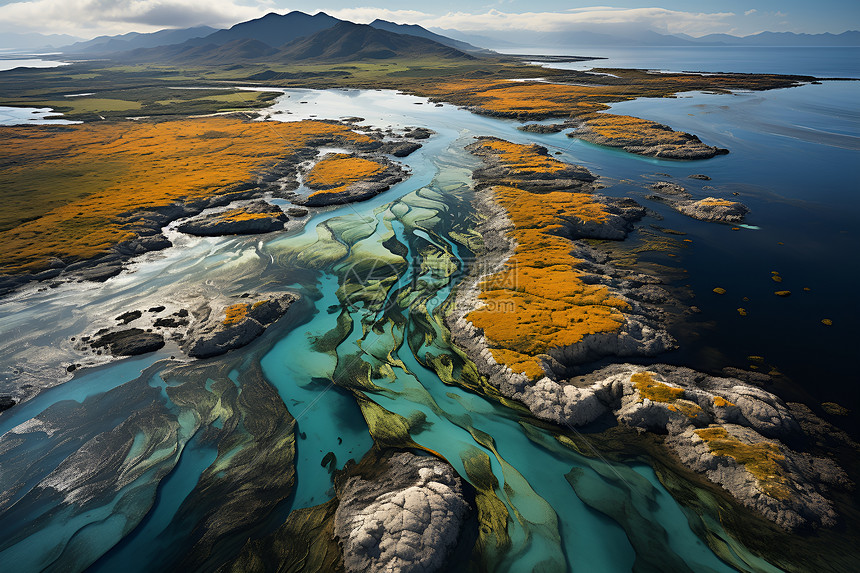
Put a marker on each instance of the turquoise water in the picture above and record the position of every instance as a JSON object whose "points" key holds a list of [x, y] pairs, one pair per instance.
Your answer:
{"points": [[558, 522]]}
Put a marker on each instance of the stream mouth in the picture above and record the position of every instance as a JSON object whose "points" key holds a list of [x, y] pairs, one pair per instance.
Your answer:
{"points": [[123, 464]]}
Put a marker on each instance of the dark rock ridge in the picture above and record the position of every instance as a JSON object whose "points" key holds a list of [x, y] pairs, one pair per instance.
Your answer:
{"points": [[6, 402], [130, 342], [542, 127], [256, 217], [213, 328], [711, 209], [407, 518], [233, 323]]}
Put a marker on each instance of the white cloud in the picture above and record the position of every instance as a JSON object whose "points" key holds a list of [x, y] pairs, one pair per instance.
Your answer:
{"points": [[659, 19], [752, 11], [367, 14], [88, 17]]}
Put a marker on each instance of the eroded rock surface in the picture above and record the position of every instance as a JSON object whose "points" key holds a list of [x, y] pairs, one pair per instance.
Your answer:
{"points": [[130, 342], [255, 217], [407, 519], [723, 428], [225, 325]]}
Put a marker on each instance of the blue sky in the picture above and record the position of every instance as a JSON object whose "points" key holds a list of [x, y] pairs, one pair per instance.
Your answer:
{"points": [[88, 18]]}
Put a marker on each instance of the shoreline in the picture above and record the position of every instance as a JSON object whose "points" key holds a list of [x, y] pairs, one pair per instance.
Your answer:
{"points": [[708, 420]]}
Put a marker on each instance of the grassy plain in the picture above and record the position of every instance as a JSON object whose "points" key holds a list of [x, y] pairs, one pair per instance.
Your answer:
{"points": [[71, 192]]}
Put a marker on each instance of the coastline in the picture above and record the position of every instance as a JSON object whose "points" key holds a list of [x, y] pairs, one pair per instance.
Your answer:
{"points": [[722, 428]]}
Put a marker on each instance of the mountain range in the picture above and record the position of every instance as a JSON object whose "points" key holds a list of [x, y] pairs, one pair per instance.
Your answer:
{"points": [[270, 35], [294, 37]]}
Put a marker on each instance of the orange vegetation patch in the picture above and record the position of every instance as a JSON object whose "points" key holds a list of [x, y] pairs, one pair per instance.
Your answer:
{"points": [[243, 215], [761, 459], [235, 313], [721, 402], [654, 390], [125, 167], [525, 159], [336, 172], [529, 98], [539, 301], [717, 203]]}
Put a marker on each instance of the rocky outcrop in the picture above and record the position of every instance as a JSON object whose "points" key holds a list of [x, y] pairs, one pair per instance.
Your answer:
{"points": [[408, 518], [130, 342], [711, 209], [255, 217], [340, 191], [620, 214], [728, 429], [225, 325], [542, 127], [6, 402], [401, 148], [641, 137], [497, 171], [723, 428]]}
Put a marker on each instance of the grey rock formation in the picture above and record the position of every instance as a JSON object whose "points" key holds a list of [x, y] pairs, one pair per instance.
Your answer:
{"points": [[130, 342], [408, 519], [710, 209], [255, 217], [212, 335], [542, 127], [795, 497]]}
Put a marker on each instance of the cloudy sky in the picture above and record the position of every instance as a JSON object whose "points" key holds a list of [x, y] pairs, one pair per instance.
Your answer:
{"points": [[88, 18]]}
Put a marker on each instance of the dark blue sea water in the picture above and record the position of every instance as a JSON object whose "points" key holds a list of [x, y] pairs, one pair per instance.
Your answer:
{"points": [[825, 62]]}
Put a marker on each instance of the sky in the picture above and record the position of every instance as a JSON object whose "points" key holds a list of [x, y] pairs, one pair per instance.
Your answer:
{"points": [[89, 18]]}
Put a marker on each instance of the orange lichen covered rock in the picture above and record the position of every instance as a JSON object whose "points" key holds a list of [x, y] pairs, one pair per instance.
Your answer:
{"points": [[343, 178], [538, 301], [653, 390], [525, 166], [235, 313], [256, 217], [761, 459]]}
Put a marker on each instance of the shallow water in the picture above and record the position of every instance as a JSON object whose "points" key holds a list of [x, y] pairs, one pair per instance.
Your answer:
{"points": [[31, 116], [11, 64], [551, 522]]}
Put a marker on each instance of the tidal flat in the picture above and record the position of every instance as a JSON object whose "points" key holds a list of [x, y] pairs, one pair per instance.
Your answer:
{"points": [[392, 366]]}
